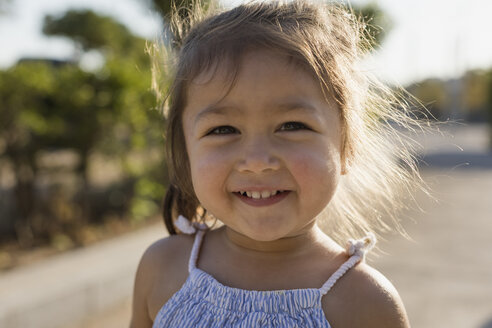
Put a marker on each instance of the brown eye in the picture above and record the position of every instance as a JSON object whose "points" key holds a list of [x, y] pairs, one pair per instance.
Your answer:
{"points": [[293, 126], [220, 130]]}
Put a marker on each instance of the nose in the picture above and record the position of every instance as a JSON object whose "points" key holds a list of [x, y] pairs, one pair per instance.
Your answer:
{"points": [[257, 157]]}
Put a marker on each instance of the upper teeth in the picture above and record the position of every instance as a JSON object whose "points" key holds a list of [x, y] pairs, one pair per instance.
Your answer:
{"points": [[259, 194]]}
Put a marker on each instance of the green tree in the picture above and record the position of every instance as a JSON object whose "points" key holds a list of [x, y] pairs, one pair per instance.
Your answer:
{"points": [[378, 22], [489, 104], [91, 31], [164, 7], [23, 90], [45, 105]]}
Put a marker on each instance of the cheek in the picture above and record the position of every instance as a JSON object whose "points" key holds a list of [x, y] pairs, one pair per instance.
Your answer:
{"points": [[317, 171], [208, 170]]}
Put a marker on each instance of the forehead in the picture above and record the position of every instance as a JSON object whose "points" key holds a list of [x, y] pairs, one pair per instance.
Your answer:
{"points": [[262, 74], [227, 66]]}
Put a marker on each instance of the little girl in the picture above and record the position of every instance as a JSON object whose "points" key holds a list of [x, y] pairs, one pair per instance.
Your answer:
{"points": [[275, 132]]}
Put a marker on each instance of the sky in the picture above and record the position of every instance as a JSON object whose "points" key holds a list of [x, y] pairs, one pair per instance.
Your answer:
{"points": [[429, 38]]}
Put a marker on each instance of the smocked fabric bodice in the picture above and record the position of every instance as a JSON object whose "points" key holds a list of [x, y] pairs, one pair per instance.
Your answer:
{"points": [[204, 302]]}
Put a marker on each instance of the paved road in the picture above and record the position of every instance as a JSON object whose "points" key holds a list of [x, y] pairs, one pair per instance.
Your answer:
{"points": [[445, 274], [116, 317]]}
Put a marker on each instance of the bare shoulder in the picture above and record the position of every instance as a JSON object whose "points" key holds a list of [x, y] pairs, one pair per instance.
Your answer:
{"points": [[166, 258], [380, 297], [367, 299], [162, 270]]}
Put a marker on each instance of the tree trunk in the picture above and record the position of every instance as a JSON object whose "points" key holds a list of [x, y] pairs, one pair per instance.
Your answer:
{"points": [[25, 173], [82, 170]]}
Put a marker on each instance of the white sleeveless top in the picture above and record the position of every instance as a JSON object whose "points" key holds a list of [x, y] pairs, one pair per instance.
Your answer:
{"points": [[204, 302]]}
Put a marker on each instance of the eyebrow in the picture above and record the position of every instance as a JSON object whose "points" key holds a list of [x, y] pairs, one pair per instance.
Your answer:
{"points": [[284, 107]]}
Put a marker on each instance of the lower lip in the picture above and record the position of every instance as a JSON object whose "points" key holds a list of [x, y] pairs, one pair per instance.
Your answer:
{"points": [[263, 201]]}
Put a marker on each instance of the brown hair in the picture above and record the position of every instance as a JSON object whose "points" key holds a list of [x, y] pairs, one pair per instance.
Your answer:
{"points": [[329, 42]]}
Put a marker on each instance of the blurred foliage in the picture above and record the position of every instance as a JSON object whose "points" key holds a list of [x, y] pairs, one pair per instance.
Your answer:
{"points": [[433, 95], [489, 102], [91, 31], [49, 105], [164, 7], [477, 93], [471, 94], [378, 23]]}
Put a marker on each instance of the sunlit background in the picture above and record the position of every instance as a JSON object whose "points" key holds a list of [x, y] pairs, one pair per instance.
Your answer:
{"points": [[82, 170], [436, 38]]}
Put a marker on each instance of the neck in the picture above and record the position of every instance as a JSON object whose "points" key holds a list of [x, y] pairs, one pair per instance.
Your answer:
{"points": [[302, 242]]}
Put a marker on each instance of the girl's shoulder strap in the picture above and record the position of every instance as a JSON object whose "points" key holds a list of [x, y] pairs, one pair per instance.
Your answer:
{"points": [[357, 250], [185, 226], [195, 250]]}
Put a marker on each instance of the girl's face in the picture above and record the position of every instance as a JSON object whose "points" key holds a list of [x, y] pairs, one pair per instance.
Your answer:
{"points": [[272, 136]]}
